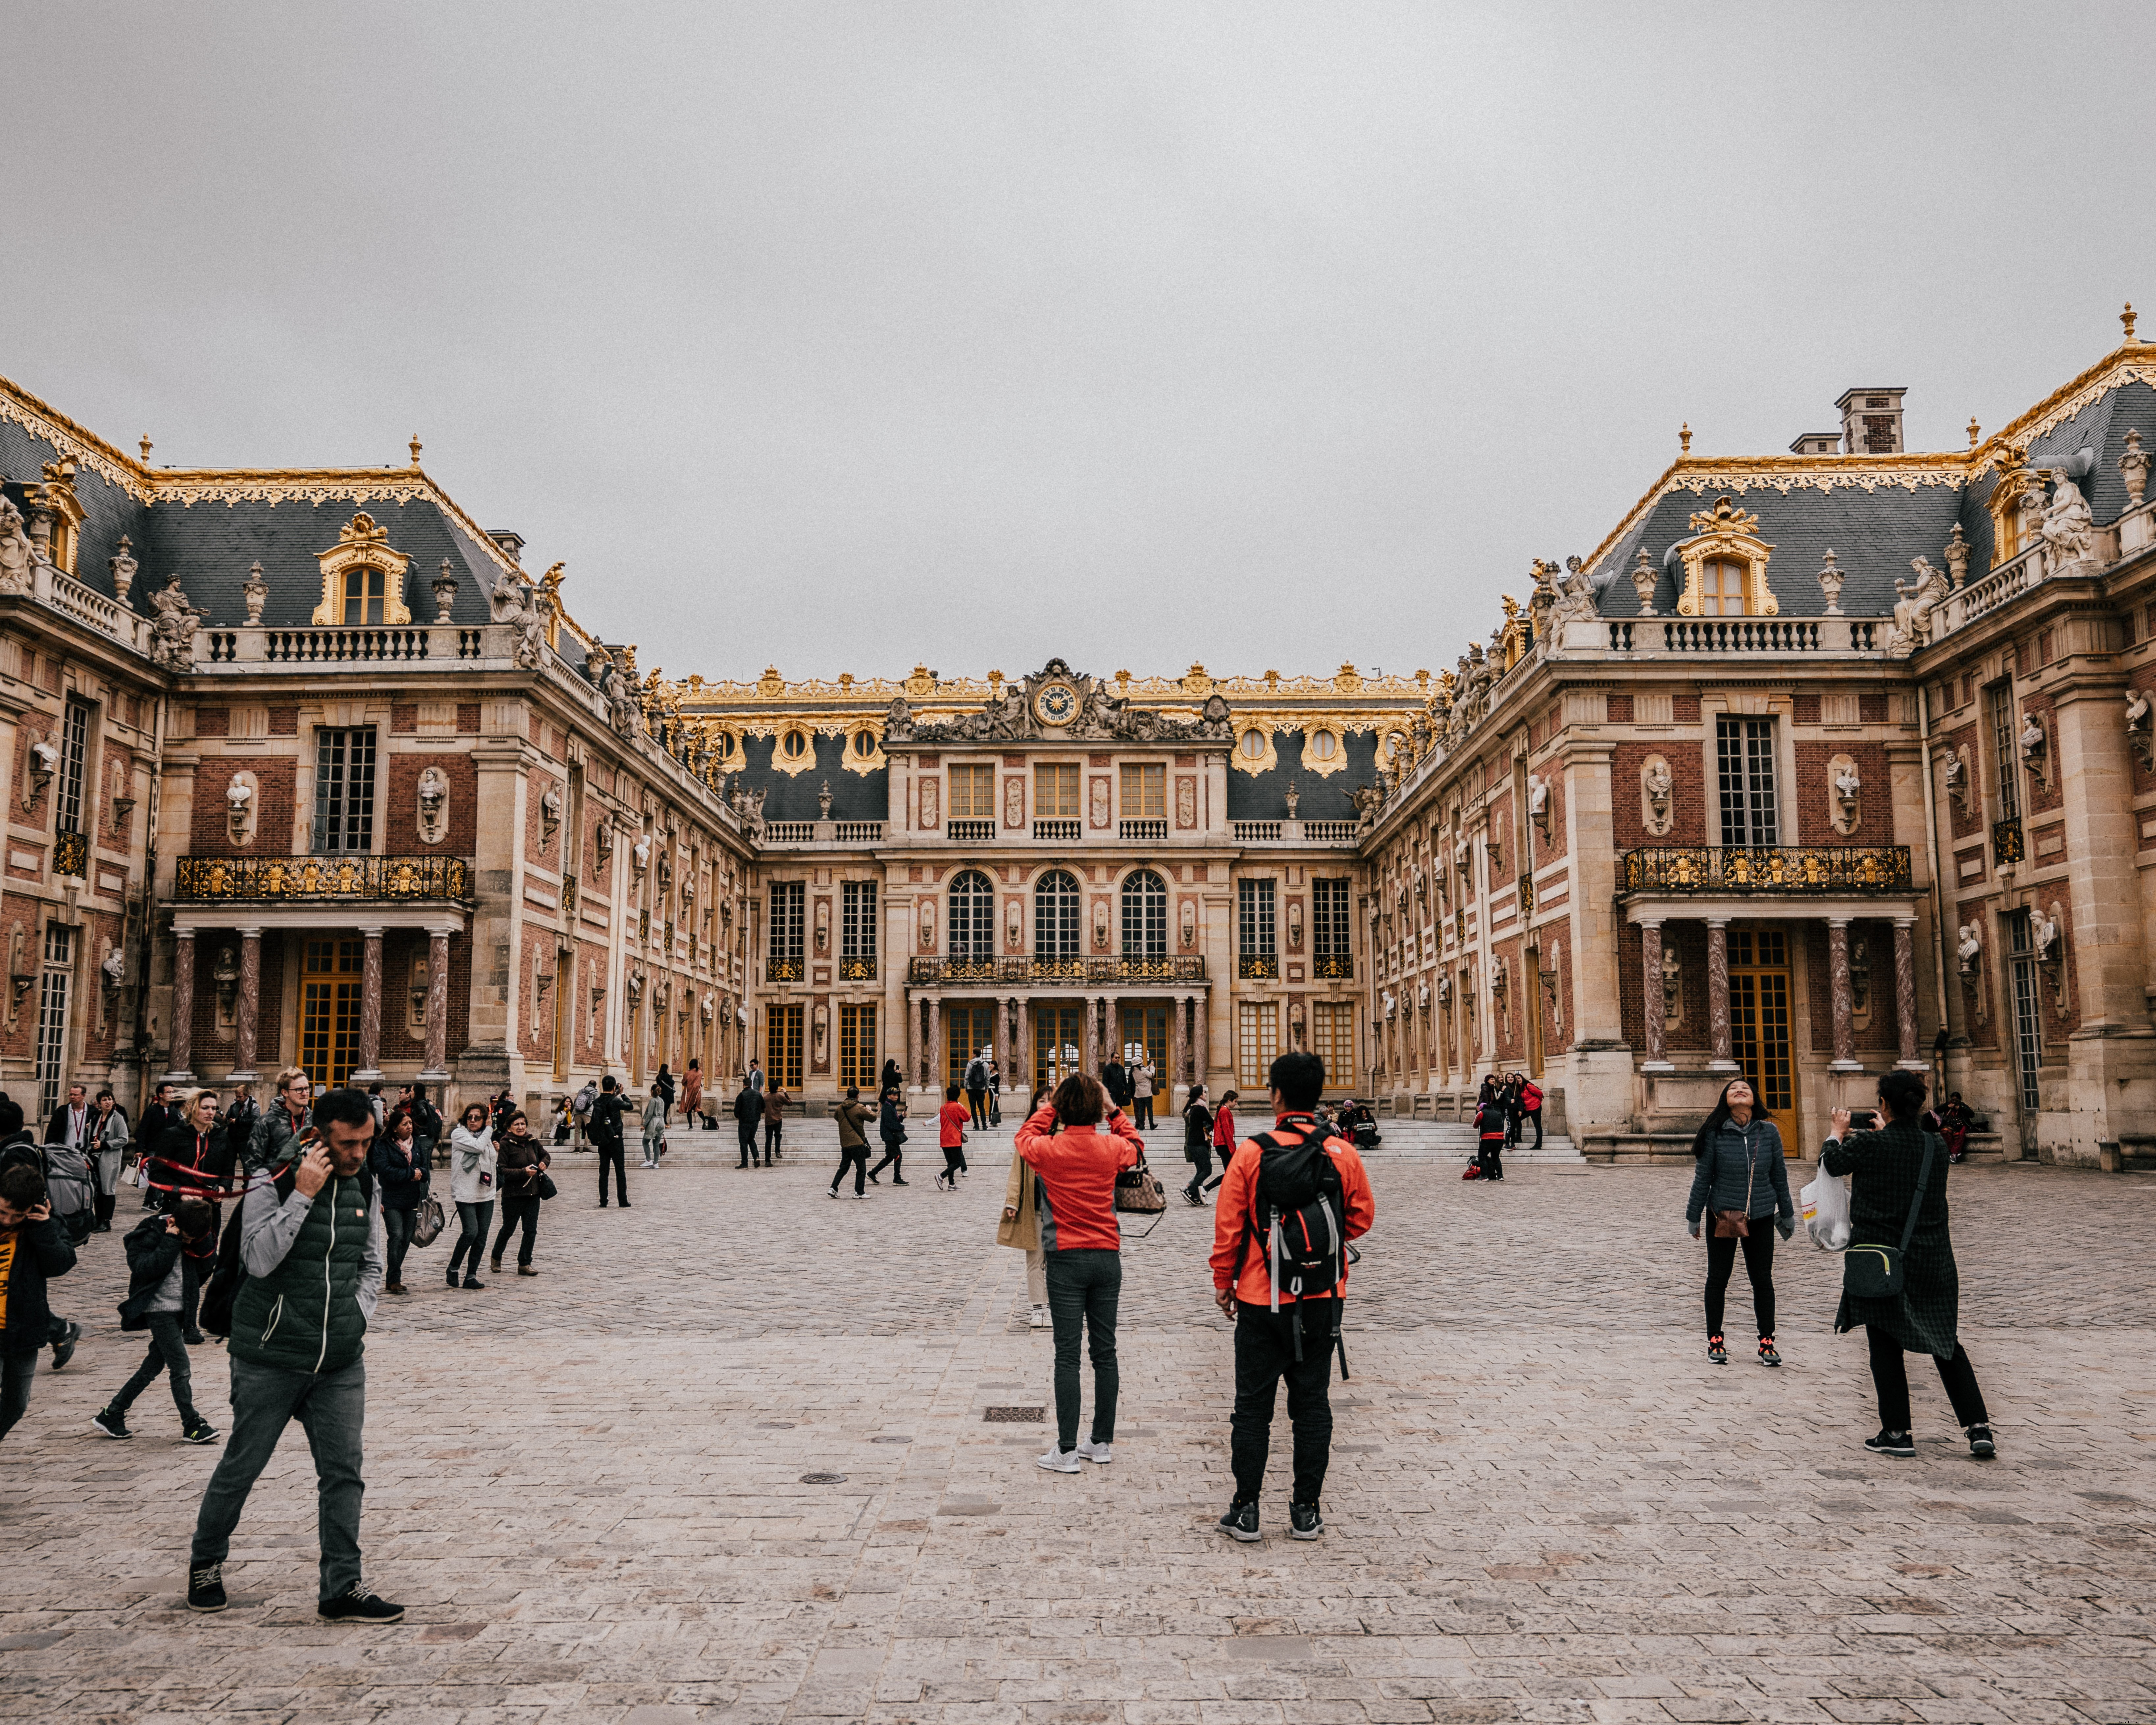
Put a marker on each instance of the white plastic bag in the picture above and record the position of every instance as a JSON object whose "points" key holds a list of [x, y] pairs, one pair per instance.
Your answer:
{"points": [[1825, 1206]]}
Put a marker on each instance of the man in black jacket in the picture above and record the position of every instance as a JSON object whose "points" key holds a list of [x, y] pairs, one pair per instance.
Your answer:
{"points": [[606, 1139], [72, 1121], [168, 1256], [748, 1109], [32, 1251]]}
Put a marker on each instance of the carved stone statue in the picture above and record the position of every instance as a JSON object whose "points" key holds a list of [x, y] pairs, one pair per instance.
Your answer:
{"points": [[898, 722], [1392, 1004], [237, 796], [2138, 726], [1830, 578], [172, 636], [2035, 742], [1645, 576], [2133, 465], [2044, 933], [1293, 798], [1913, 605], [1968, 946], [640, 853], [624, 711], [1295, 1022], [2068, 527], [1846, 785], [18, 556], [1444, 988], [512, 603], [1189, 924], [1957, 556], [1538, 802], [824, 801], [1953, 770], [1575, 596], [1658, 787], [115, 968], [1672, 989]]}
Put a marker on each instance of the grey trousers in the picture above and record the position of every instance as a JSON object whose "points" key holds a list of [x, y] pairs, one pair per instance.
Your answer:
{"points": [[168, 1353], [332, 1408]]}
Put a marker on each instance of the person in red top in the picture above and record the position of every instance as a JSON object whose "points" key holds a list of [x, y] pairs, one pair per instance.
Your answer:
{"points": [[950, 1122], [1075, 1159], [1264, 1339], [1531, 1106]]}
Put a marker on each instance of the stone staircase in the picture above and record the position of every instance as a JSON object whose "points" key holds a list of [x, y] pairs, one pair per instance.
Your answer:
{"points": [[1454, 1140]]}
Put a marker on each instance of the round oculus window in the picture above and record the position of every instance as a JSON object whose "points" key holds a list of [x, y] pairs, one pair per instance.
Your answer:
{"points": [[1254, 745], [796, 745], [1323, 746]]}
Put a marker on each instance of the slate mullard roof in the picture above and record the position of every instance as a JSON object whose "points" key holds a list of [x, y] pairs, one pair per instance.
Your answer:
{"points": [[1878, 512]]}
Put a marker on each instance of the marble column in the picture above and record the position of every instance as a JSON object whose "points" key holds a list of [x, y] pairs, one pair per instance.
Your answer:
{"points": [[1088, 1039], [247, 1011], [1175, 1058], [1717, 995], [936, 1046], [1905, 991], [438, 1007], [913, 1042], [1018, 1075], [1837, 968], [1002, 1037], [182, 1037], [369, 1069], [1650, 997]]}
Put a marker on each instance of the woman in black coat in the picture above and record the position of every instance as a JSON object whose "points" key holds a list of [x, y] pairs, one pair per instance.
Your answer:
{"points": [[1739, 1167], [1197, 1143], [891, 1126], [1889, 1164]]}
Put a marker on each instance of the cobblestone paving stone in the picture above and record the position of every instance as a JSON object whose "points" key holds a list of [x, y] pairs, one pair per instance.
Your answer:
{"points": [[1543, 1504]]}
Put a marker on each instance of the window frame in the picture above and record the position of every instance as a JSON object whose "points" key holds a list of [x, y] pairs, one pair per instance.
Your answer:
{"points": [[1058, 917], [75, 756], [345, 789], [970, 917], [1148, 779], [1050, 778], [1747, 776], [1145, 916]]}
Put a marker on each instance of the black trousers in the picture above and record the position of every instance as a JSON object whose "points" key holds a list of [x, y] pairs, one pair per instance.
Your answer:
{"points": [[773, 1131], [1084, 1286], [894, 1158], [856, 1157], [168, 1353], [1201, 1166], [1759, 1268], [615, 1156], [744, 1130], [1265, 1354], [1142, 1113], [518, 1213], [1890, 1378], [1491, 1156], [978, 1099], [1535, 1116]]}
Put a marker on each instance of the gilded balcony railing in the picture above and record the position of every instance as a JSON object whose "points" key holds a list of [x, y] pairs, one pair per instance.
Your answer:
{"points": [[1033, 973], [857, 970], [2007, 844], [239, 879], [71, 855], [1332, 967], [1799, 868], [1258, 967], [785, 970]]}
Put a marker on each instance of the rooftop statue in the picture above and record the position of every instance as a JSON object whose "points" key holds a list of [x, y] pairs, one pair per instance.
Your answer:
{"points": [[2068, 527]]}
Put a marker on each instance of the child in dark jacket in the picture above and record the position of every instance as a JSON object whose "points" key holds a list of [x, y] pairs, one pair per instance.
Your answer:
{"points": [[167, 1256]]}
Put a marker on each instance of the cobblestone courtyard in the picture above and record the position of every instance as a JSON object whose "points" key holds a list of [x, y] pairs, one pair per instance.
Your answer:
{"points": [[587, 1488]]}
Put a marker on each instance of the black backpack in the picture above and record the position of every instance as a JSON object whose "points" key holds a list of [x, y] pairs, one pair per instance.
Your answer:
{"points": [[222, 1289], [1297, 1216]]}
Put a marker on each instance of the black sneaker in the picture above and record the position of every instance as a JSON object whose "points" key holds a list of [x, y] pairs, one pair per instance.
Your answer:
{"points": [[194, 1338], [1717, 1350], [1980, 1444], [1769, 1355], [111, 1422], [64, 1349], [206, 1588], [1241, 1522], [199, 1430], [896, 1181], [1304, 1522], [358, 1606], [1892, 1443]]}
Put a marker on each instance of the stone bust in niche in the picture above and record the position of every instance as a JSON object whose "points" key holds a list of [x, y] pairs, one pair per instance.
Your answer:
{"points": [[433, 799]]}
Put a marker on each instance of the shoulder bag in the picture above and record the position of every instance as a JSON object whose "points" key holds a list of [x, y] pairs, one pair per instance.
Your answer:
{"points": [[1737, 1224], [1873, 1272], [1139, 1189], [429, 1218]]}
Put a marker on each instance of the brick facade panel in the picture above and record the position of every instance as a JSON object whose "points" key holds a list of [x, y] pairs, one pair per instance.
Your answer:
{"points": [[1688, 793], [276, 792], [1815, 807]]}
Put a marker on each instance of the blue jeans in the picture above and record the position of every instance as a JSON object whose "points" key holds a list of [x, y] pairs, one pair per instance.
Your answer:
{"points": [[396, 1227], [1083, 1286], [332, 1408], [168, 1353]]}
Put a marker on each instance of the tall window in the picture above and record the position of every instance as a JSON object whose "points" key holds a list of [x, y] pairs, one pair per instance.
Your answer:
{"points": [[1330, 929], [857, 931], [1055, 792], [1744, 751], [857, 1046], [1055, 914], [782, 1046], [329, 1011], [1145, 916], [1257, 1041], [56, 985], [786, 928], [364, 592], [75, 745], [1144, 793], [1255, 928], [1332, 1040], [2028, 1017], [972, 919], [1998, 701], [1721, 588], [344, 790], [972, 793]]}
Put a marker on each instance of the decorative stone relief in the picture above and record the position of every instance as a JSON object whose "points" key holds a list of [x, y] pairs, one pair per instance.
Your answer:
{"points": [[2138, 727], [1014, 925], [1844, 787], [1913, 605], [1830, 578], [1295, 1022], [822, 1020], [927, 919], [241, 796], [1954, 772], [1645, 576], [822, 924], [1100, 925], [931, 803], [1190, 922], [1186, 803], [2133, 464], [1657, 796], [2035, 745], [1099, 802], [434, 801], [1015, 803], [1295, 925], [1957, 555], [1672, 990], [2069, 526]]}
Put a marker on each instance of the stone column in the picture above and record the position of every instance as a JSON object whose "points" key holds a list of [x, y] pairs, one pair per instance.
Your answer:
{"points": [[369, 1069], [182, 1037], [1018, 1075], [936, 1045], [1718, 994], [1088, 1060], [1650, 997], [1002, 1037], [1837, 967], [1905, 990], [912, 1042], [1174, 1074], [438, 1006], [249, 1006]]}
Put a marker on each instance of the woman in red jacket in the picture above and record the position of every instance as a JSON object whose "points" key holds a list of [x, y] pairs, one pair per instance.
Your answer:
{"points": [[1075, 1159]]}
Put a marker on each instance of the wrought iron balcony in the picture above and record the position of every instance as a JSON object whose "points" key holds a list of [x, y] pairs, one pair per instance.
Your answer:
{"points": [[71, 855], [1033, 972], [1258, 967], [2007, 844], [857, 970], [333, 879], [785, 970], [1820, 869], [1332, 967]]}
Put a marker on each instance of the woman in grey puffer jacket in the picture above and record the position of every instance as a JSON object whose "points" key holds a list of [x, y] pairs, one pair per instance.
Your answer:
{"points": [[1739, 1167]]}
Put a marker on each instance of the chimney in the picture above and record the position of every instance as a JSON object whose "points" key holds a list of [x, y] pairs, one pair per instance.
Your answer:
{"points": [[510, 541], [1872, 421], [1817, 443]]}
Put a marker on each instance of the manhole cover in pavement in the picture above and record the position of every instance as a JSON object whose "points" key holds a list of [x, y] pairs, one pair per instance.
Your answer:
{"points": [[822, 1479], [1013, 1416], [890, 1439]]}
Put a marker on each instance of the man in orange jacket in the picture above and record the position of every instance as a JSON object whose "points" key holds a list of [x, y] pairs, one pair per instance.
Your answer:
{"points": [[1265, 1338]]}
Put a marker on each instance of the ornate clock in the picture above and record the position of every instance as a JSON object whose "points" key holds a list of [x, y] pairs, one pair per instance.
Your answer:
{"points": [[1055, 704]]}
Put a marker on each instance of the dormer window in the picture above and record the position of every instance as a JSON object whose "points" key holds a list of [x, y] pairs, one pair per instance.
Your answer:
{"points": [[1721, 588], [1725, 565], [364, 593]]}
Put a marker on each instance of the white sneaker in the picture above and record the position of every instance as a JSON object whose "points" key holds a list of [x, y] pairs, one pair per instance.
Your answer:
{"points": [[1040, 1318], [1102, 1453], [1062, 1461]]}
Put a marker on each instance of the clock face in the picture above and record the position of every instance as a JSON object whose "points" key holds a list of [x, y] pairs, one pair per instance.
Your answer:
{"points": [[1056, 704]]}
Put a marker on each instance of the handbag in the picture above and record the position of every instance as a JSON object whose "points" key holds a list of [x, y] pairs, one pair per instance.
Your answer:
{"points": [[428, 1220], [546, 1186], [1873, 1272], [1138, 1188], [1737, 1224]]}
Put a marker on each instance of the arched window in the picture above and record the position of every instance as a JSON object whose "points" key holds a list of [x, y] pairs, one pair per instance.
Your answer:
{"points": [[972, 919], [1145, 916], [1055, 906]]}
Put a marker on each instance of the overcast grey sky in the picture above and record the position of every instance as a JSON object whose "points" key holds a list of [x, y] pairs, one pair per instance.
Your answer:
{"points": [[838, 336]]}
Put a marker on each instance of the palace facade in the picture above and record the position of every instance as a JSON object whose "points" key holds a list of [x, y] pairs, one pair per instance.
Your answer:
{"points": [[1821, 763]]}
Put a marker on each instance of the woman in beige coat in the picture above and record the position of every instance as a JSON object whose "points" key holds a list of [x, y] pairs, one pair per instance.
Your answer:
{"points": [[1020, 1227]]}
